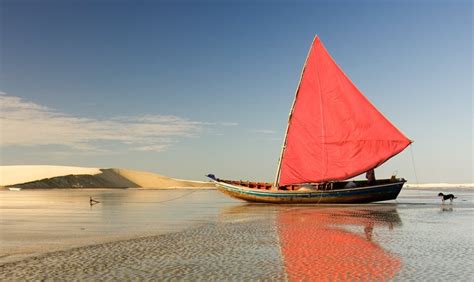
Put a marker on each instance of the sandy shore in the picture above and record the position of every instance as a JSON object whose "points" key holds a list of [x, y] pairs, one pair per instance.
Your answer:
{"points": [[206, 252]]}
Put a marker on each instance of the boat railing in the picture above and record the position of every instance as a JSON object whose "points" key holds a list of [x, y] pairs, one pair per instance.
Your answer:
{"points": [[323, 186]]}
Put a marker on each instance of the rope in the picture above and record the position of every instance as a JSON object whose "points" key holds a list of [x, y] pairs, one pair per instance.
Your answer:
{"points": [[182, 196], [320, 196], [164, 201], [413, 164], [176, 198], [321, 193]]}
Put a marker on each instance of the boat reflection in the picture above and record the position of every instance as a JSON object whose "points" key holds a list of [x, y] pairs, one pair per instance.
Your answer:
{"points": [[330, 242]]}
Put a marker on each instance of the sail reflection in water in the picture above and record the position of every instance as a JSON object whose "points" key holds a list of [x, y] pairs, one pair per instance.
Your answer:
{"points": [[327, 242], [316, 243]]}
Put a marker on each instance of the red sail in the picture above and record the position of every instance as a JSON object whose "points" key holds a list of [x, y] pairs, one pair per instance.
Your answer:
{"points": [[334, 132]]}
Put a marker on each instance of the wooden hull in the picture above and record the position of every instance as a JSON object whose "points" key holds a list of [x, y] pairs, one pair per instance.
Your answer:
{"points": [[376, 193]]}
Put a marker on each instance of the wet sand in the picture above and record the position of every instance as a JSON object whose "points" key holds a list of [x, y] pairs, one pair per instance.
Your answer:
{"points": [[189, 235], [33, 222]]}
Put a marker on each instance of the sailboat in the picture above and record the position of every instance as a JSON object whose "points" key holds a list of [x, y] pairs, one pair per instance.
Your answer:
{"points": [[333, 134]]}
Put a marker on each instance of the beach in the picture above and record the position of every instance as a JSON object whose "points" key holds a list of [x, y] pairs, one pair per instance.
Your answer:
{"points": [[202, 234]]}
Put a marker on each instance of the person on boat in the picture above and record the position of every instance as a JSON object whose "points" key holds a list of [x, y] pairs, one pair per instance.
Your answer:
{"points": [[370, 175], [350, 184]]}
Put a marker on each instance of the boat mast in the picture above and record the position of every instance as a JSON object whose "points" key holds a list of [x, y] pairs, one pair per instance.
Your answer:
{"points": [[276, 184]]}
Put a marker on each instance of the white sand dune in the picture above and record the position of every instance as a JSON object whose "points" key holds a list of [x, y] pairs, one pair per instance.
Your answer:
{"points": [[31, 176], [15, 174], [151, 180]]}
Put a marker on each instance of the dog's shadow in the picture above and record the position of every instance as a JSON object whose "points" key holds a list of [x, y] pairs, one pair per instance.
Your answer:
{"points": [[445, 208]]}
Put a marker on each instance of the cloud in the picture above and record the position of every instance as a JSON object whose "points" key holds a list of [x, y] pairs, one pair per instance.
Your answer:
{"points": [[228, 123], [24, 123], [264, 131]]}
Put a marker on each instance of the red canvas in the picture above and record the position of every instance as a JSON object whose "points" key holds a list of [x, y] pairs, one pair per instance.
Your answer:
{"points": [[334, 133]]}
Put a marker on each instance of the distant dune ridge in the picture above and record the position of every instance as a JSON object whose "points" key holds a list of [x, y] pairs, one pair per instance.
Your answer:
{"points": [[440, 185], [44, 176]]}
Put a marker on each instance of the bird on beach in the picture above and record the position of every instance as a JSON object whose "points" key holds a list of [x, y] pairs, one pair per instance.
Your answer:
{"points": [[92, 201]]}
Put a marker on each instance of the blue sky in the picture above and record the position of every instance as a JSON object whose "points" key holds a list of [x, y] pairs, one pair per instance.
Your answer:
{"points": [[185, 88]]}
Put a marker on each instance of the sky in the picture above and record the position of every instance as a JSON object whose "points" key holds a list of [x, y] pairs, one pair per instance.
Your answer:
{"points": [[186, 88]]}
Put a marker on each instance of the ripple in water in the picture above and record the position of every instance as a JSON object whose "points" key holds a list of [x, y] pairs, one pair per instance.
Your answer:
{"points": [[210, 252]]}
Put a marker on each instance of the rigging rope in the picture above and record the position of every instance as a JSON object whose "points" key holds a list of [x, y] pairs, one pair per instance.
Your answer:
{"points": [[172, 199], [413, 163], [168, 200]]}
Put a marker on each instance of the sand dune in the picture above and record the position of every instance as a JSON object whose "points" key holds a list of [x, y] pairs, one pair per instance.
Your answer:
{"points": [[150, 180], [15, 174], [79, 177]]}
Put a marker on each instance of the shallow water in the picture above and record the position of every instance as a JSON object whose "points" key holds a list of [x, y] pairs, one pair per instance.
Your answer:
{"points": [[192, 234]]}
